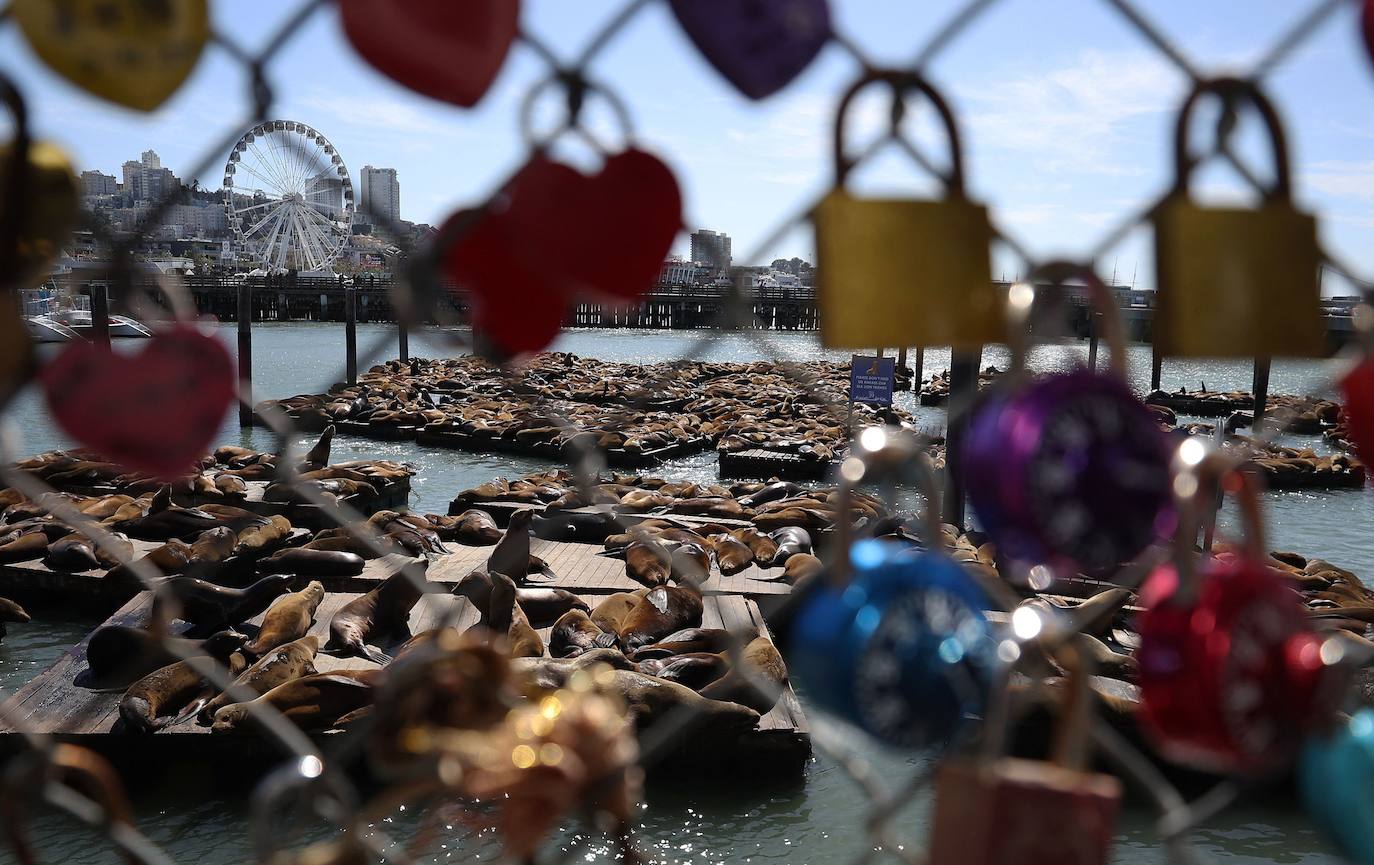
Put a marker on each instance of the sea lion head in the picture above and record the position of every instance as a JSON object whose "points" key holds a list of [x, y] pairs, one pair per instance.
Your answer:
{"points": [[476, 587], [314, 592], [221, 643], [229, 718]]}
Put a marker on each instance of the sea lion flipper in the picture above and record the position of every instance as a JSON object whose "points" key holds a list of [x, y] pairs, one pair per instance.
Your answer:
{"points": [[604, 641], [190, 711], [659, 598], [374, 655]]}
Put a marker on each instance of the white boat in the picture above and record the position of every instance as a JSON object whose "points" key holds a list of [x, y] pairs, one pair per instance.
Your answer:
{"points": [[55, 316]]}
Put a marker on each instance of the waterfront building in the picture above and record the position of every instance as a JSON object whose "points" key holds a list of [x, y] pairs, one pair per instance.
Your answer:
{"points": [[146, 179], [96, 183], [712, 249], [381, 194], [678, 272]]}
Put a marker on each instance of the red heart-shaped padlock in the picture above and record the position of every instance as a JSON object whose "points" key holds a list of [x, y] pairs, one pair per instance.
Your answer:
{"points": [[1357, 386], [156, 411], [513, 307], [608, 232], [1368, 20], [447, 50]]}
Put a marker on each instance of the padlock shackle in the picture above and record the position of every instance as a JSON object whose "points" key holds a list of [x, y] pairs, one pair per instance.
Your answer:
{"points": [[1231, 91], [576, 88], [1055, 275], [901, 82], [1196, 477], [901, 453], [14, 185]]}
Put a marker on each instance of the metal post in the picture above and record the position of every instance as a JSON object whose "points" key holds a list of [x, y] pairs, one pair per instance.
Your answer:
{"points": [[100, 316], [351, 332], [963, 388], [246, 353], [1092, 340], [1260, 391]]}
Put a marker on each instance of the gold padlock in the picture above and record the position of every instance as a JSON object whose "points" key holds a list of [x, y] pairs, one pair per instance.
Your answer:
{"points": [[899, 271], [1236, 282]]}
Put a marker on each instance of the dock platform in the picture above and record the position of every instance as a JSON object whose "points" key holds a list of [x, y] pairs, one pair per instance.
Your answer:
{"points": [[766, 463]]}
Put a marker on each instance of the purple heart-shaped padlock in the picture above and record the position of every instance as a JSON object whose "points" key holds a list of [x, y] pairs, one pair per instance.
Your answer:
{"points": [[758, 45]]}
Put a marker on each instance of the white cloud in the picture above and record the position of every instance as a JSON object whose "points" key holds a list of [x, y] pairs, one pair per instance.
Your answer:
{"points": [[1347, 179]]}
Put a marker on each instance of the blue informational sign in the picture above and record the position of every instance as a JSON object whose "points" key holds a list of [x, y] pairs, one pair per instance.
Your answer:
{"points": [[870, 380]]}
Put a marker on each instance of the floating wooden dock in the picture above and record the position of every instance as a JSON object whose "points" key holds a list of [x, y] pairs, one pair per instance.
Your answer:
{"points": [[766, 463], [53, 703], [618, 457]]}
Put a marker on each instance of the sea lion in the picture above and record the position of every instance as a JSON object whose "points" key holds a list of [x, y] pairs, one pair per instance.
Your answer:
{"points": [[763, 547], [476, 528], [575, 633], [169, 559], [24, 548], [207, 605], [549, 674], [732, 556], [543, 606], [153, 701], [215, 545], [318, 456], [790, 540], [288, 619], [648, 562], [696, 670], [651, 700], [312, 563], [773, 492], [504, 618], [511, 555], [72, 553], [12, 612], [759, 684], [282, 664], [663, 611], [343, 542], [254, 539], [687, 641], [610, 614], [691, 564], [800, 566], [119, 655], [384, 611], [164, 521], [575, 527], [313, 702], [1095, 615]]}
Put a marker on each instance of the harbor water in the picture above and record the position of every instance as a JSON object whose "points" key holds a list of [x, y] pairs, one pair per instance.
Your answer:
{"points": [[821, 818]]}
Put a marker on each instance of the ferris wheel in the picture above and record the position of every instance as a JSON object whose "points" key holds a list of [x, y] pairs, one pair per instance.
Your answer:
{"points": [[288, 197]]}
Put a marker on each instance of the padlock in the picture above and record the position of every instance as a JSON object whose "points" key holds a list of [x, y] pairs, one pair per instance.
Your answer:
{"points": [[1357, 388], [39, 200], [904, 271], [1334, 777], [1231, 672], [893, 639], [998, 810], [1068, 470], [1367, 27], [1236, 282]]}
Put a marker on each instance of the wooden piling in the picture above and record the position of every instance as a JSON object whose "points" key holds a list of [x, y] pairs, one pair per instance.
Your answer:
{"points": [[100, 315], [917, 370], [1092, 339], [963, 388], [245, 320], [1260, 390], [403, 338], [1156, 367], [351, 332]]}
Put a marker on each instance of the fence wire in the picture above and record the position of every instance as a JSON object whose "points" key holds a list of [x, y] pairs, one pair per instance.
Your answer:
{"points": [[436, 765]]}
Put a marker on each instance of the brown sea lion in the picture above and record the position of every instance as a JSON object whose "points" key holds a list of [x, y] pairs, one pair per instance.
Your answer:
{"points": [[208, 605], [119, 655], [691, 564], [696, 670], [345, 543], [759, 684], [165, 521], [73, 553], [552, 673], [663, 611], [312, 563], [504, 618], [288, 619], [651, 700], [318, 456], [215, 545], [648, 562], [511, 555], [475, 528], [800, 566], [282, 664], [12, 612], [384, 611], [25, 548], [575, 633], [609, 615], [687, 641], [314, 702], [763, 547], [732, 556], [168, 559], [254, 539], [543, 606], [153, 701], [790, 540]]}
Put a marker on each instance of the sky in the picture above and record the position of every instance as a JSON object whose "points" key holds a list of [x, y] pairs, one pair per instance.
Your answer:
{"points": [[1066, 113]]}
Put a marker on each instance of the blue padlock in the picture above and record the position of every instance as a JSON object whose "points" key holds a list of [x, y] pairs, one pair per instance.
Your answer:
{"points": [[896, 640], [1336, 776]]}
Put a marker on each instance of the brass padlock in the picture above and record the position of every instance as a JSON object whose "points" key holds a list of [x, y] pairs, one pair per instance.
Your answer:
{"points": [[1011, 811], [1236, 282], [900, 271]]}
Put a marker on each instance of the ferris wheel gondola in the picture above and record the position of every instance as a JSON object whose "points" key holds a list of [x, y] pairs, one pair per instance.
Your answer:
{"points": [[288, 197]]}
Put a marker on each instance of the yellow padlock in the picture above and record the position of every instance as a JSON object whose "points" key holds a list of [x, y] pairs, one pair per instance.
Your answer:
{"points": [[904, 271], [1236, 282], [39, 202]]}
